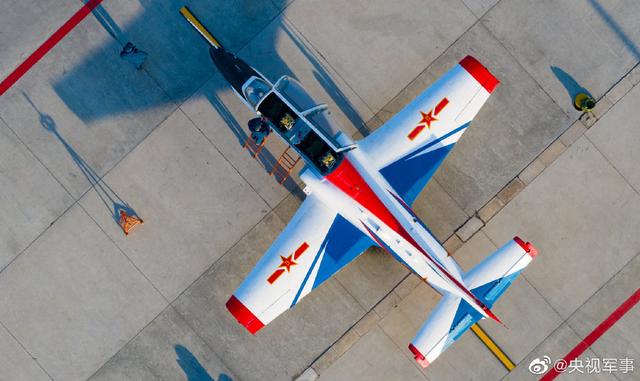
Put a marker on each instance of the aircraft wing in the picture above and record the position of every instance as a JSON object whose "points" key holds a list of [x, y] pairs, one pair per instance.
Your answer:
{"points": [[316, 243], [409, 147]]}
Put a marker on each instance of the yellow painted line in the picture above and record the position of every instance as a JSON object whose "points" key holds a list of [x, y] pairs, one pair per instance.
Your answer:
{"points": [[493, 347], [184, 11]]}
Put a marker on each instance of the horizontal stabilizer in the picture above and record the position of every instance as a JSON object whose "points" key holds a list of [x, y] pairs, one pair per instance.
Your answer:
{"points": [[453, 315], [448, 321], [491, 277]]}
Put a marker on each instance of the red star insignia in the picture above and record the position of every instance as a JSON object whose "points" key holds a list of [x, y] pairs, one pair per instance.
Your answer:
{"points": [[427, 118], [287, 262]]}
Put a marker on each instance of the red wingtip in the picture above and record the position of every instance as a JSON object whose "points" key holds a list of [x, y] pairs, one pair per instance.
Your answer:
{"points": [[480, 73], [527, 246], [419, 357], [243, 315]]}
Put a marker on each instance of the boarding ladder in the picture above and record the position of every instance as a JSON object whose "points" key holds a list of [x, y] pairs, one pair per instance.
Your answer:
{"points": [[282, 169], [253, 148]]}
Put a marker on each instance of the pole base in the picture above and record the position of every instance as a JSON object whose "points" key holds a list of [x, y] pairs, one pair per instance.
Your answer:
{"points": [[584, 102]]}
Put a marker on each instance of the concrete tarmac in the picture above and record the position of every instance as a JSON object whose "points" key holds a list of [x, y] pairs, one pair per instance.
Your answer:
{"points": [[80, 301]]}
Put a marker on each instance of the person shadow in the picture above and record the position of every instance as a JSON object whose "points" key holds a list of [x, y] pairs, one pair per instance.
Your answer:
{"points": [[113, 202], [570, 84], [192, 367]]}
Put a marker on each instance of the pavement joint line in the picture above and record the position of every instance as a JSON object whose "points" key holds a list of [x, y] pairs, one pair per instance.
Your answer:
{"points": [[374, 116], [25, 350], [179, 106], [637, 191], [227, 160], [69, 25], [586, 343], [35, 157], [464, 4], [362, 317], [528, 73], [405, 353], [524, 277], [567, 320], [383, 108], [128, 341], [457, 204], [124, 253], [557, 139], [197, 333], [346, 290], [536, 346], [304, 38], [89, 188]]}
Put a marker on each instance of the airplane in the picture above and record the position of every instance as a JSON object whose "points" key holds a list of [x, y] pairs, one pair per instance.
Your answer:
{"points": [[359, 195]]}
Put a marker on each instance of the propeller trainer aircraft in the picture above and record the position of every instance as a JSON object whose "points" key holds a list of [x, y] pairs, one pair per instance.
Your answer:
{"points": [[359, 195]]}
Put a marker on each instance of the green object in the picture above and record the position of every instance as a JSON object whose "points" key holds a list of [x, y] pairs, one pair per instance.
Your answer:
{"points": [[584, 102]]}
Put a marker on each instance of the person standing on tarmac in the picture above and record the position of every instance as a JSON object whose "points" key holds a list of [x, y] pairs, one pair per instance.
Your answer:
{"points": [[259, 129]]}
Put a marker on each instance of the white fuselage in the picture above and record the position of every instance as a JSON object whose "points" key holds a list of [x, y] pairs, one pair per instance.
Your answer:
{"points": [[430, 261]]}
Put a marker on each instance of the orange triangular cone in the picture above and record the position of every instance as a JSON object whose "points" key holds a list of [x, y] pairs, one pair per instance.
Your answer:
{"points": [[128, 222]]}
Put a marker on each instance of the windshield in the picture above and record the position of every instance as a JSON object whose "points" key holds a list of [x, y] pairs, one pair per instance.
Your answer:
{"points": [[255, 90]]}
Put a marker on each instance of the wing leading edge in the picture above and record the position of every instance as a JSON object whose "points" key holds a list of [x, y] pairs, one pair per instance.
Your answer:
{"points": [[316, 244]]}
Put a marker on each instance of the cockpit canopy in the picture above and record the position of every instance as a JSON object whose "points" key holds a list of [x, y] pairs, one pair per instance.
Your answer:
{"points": [[254, 90], [306, 126]]}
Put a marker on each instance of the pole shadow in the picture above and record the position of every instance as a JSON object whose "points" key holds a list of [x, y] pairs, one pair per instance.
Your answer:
{"points": [[113, 202], [326, 81], [108, 23], [616, 28], [570, 84], [192, 367]]}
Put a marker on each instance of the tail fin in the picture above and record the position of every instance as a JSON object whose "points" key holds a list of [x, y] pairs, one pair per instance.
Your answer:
{"points": [[454, 316]]}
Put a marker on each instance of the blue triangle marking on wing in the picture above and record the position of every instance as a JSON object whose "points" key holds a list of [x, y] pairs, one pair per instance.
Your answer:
{"points": [[342, 244], [410, 173]]}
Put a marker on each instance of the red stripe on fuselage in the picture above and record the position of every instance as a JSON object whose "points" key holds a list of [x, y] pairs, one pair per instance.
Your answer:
{"points": [[347, 178]]}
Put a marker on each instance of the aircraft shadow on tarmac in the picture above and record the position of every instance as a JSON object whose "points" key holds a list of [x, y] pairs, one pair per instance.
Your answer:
{"points": [[192, 367], [178, 64], [108, 196]]}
